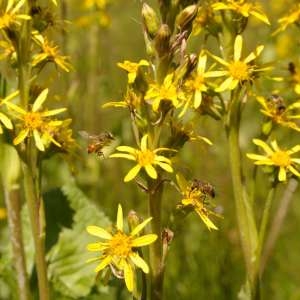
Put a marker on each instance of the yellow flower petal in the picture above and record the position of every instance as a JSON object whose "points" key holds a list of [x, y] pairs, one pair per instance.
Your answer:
{"points": [[21, 136], [6, 121], [144, 240], [120, 218], [151, 171], [105, 262], [165, 166], [139, 227], [238, 44], [139, 262], [38, 140], [96, 247], [282, 174], [40, 100], [210, 225], [263, 145], [99, 232], [128, 276], [132, 173], [144, 142]]}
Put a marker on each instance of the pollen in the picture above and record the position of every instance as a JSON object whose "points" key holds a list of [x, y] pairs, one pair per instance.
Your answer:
{"points": [[33, 120], [168, 92], [198, 82], [6, 20], [239, 70], [120, 245], [145, 157], [281, 159]]}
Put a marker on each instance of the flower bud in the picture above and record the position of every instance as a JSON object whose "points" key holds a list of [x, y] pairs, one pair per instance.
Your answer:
{"points": [[133, 219], [185, 17], [162, 40], [150, 20]]}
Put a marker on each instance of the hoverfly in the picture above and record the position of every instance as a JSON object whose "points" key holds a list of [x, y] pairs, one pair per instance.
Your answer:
{"points": [[96, 142]]}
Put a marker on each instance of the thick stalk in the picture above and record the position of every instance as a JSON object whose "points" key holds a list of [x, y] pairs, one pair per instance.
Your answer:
{"points": [[12, 202], [31, 186], [244, 213], [35, 213], [155, 258]]}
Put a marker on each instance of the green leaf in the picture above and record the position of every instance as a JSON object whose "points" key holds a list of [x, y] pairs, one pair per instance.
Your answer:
{"points": [[71, 276]]}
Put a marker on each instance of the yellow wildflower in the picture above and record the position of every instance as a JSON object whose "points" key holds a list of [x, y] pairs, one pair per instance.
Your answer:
{"points": [[101, 4], [9, 16], [132, 68], [197, 83], [277, 157], [243, 8], [292, 18], [3, 213], [119, 249], [50, 53], [145, 158], [195, 195], [167, 91], [35, 122], [238, 70], [275, 109], [4, 119]]}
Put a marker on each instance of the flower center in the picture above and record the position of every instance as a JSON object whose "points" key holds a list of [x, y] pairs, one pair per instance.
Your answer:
{"points": [[145, 157], [120, 244], [6, 20], [51, 51], [281, 159], [33, 120], [168, 92], [239, 70]]}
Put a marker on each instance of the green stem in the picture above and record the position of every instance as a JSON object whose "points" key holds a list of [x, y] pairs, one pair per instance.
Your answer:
{"points": [[157, 274], [30, 166], [245, 216], [263, 224], [12, 202], [35, 213]]}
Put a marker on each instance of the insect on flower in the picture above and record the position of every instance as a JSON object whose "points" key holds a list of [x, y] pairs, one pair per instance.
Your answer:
{"points": [[96, 142], [205, 187]]}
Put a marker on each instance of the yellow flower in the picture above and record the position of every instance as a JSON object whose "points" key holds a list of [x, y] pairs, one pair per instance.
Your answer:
{"points": [[3, 213], [277, 157], [197, 83], [167, 91], [275, 109], [119, 249], [131, 101], [4, 119], [243, 8], [145, 158], [101, 4], [35, 122], [50, 53], [195, 194], [9, 16], [132, 68], [292, 18], [238, 70]]}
